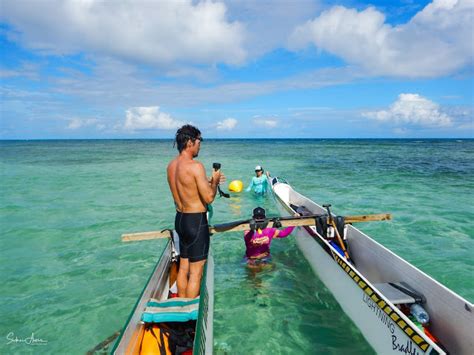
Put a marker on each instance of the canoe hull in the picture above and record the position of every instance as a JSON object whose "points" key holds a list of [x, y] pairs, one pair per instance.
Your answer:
{"points": [[364, 312], [384, 326], [158, 287]]}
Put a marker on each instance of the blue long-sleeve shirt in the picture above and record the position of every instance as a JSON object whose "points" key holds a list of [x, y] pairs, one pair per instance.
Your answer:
{"points": [[258, 184]]}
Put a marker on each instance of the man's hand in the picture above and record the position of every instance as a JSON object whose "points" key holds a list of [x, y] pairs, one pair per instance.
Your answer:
{"points": [[216, 177], [221, 178]]}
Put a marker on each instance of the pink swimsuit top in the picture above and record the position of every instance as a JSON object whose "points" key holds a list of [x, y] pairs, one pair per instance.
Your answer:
{"points": [[259, 243]]}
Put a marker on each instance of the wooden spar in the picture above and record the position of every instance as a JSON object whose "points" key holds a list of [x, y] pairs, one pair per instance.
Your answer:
{"points": [[368, 218], [244, 225]]}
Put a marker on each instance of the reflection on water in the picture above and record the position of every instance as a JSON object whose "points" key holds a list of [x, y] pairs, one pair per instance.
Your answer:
{"points": [[235, 205]]}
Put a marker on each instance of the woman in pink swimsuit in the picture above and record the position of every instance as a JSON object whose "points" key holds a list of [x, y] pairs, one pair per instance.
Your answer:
{"points": [[257, 242]]}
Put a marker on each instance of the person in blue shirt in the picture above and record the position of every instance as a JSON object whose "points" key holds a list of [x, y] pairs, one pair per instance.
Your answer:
{"points": [[259, 183]]}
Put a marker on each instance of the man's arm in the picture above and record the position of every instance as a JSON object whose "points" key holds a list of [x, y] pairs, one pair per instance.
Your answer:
{"points": [[250, 186], [248, 235], [284, 232], [207, 190]]}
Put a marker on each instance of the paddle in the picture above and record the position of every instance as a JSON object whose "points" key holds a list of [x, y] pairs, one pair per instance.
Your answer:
{"points": [[339, 239], [217, 166], [242, 225]]}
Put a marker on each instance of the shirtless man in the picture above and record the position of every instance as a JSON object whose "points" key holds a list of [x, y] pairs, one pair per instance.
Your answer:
{"points": [[192, 191]]}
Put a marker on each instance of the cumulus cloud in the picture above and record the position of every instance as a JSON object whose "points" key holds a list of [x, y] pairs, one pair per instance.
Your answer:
{"points": [[144, 118], [77, 123], [266, 122], [412, 109], [157, 32], [226, 125], [436, 41]]}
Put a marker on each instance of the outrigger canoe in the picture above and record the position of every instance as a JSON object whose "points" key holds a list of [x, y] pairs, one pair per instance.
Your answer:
{"points": [[376, 287], [136, 336]]}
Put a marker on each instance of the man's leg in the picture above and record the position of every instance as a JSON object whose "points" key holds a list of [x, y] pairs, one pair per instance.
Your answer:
{"points": [[182, 281], [194, 281]]}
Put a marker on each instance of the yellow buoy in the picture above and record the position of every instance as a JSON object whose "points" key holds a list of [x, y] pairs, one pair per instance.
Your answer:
{"points": [[236, 186]]}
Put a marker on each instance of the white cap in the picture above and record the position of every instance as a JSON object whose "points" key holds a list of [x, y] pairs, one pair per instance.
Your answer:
{"points": [[258, 167]]}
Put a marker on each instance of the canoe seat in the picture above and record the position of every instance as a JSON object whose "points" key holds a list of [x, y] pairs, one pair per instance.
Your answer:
{"points": [[171, 310], [399, 293]]}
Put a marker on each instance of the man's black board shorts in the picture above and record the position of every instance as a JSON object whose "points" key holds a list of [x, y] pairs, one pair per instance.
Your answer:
{"points": [[193, 231]]}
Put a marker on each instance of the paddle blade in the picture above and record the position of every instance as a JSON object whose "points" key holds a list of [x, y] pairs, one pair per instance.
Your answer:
{"points": [[224, 227]]}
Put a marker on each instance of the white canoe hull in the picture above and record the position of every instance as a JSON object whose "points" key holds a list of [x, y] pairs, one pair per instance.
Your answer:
{"points": [[158, 287], [384, 326]]}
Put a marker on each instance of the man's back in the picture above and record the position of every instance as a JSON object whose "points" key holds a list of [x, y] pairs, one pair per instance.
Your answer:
{"points": [[182, 178]]}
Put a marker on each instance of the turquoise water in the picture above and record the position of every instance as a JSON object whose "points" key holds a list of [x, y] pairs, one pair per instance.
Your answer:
{"points": [[67, 278]]}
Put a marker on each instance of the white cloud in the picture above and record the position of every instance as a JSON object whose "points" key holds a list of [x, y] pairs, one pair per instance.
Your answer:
{"points": [[157, 32], [143, 118], [436, 41], [138, 89], [25, 69], [4, 73], [226, 125], [412, 109], [401, 131], [77, 123], [266, 122]]}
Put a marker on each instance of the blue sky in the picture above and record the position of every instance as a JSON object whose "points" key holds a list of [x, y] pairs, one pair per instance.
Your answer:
{"points": [[236, 69]]}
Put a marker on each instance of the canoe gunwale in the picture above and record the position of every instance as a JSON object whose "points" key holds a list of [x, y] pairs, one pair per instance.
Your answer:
{"points": [[203, 340]]}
